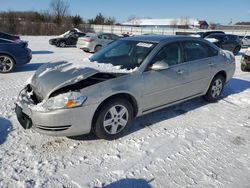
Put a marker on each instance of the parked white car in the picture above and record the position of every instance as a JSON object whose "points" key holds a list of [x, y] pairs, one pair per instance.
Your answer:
{"points": [[93, 42], [245, 40]]}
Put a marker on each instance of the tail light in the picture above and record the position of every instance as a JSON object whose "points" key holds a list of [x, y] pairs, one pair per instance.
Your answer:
{"points": [[88, 39]]}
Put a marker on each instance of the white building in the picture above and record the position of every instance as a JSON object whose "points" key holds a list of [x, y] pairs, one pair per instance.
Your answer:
{"points": [[177, 22]]}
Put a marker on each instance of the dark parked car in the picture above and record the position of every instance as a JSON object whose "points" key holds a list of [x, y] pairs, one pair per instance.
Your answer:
{"points": [[245, 61], [70, 39], [12, 54], [9, 36], [205, 34], [227, 42]]}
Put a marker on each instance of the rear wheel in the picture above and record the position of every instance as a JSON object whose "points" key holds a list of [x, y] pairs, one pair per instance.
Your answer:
{"points": [[98, 48], [215, 89], [236, 50], [6, 64], [113, 119]]}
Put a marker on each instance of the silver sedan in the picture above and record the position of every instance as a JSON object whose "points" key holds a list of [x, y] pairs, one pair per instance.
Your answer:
{"points": [[128, 78]]}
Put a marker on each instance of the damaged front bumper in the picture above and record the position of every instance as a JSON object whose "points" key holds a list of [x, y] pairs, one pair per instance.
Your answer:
{"points": [[61, 122]]}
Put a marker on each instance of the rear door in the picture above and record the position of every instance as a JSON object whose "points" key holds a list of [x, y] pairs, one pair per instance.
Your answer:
{"points": [[228, 43], [105, 39], [200, 60]]}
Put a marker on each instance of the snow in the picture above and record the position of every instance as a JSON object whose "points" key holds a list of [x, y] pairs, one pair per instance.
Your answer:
{"points": [[213, 40], [65, 66], [194, 144]]}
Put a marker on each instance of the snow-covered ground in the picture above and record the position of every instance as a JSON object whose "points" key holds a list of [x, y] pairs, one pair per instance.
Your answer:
{"points": [[194, 144]]}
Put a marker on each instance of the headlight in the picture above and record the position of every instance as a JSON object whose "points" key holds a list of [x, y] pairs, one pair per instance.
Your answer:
{"points": [[67, 100]]}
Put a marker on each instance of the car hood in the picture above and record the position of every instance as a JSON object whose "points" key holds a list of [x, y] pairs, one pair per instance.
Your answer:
{"points": [[53, 76]]}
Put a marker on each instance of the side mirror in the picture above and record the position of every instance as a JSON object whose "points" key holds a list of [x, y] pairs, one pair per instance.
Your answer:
{"points": [[159, 65]]}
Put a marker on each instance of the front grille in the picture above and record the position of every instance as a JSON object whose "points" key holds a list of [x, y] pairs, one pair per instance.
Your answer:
{"points": [[53, 129], [36, 98]]}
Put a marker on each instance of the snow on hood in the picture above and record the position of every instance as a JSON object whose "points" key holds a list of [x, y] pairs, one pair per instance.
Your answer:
{"points": [[55, 75], [67, 32], [213, 40]]}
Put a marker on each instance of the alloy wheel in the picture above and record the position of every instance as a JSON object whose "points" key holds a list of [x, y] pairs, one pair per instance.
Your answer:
{"points": [[116, 119], [6, 64], [217, 88]]}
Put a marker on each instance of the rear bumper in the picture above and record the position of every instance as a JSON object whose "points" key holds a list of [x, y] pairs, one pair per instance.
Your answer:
{"points": [[86, 46], [24, 60]]}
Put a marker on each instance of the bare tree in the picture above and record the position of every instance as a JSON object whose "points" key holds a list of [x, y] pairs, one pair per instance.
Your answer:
{"points": [[59, 9]]}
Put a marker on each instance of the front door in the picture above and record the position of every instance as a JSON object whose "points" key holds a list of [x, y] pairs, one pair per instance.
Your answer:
{"points": [[162, 87]]}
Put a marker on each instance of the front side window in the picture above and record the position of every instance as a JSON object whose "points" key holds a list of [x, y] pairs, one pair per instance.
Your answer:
{"points": [[170, 54], [198, 50], [124, 53]]}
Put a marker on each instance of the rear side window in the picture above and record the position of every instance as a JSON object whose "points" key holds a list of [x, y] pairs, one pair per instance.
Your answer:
{"points": [[232, 37], [114, 37], [104, 36], [171, 54], [195, 50]]}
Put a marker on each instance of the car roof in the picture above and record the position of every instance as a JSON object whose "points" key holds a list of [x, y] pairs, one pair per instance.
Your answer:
{"points": [[221, 34], [157, 38]]}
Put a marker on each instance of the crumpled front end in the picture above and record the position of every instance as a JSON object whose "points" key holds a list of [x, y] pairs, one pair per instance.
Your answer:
{"points": [[61, 122]]}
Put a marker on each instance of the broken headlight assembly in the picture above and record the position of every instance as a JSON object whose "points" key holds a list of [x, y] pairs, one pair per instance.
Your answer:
{"points": [[66, 100]]}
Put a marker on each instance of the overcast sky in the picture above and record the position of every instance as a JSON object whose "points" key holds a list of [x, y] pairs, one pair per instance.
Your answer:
{"points": [[222, 11]]}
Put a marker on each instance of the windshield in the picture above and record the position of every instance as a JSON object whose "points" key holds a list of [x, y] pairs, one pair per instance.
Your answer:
{"points": [[124, 53], [68, 35]]}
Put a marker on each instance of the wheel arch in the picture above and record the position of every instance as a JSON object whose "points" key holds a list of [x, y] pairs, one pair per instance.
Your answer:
{"points": [[223, 73], [127, 96]]}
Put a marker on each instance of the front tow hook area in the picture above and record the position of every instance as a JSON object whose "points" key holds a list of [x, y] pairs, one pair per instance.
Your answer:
{"points": [[23, 119]]}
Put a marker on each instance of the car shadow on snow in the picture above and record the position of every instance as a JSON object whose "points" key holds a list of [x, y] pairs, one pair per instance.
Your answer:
{"points": [[28, 67], [234, 86], [129, 183], [5, 128], [42, 52]]}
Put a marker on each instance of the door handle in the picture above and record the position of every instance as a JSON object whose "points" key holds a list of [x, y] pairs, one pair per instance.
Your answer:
{"points": [[211, 64], [180, 72]]}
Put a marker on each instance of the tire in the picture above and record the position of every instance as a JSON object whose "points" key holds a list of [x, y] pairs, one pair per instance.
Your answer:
{"points": [[243, 68], [62, 44], [7, 63], [215, 89], [116, 125], [98, 48], [236, 50]]}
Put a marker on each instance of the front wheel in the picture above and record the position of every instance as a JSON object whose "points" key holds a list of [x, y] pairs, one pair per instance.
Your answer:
{"points": [[243, 67], [215, 89], [113, 119], [6, 64], [62, 44]]}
